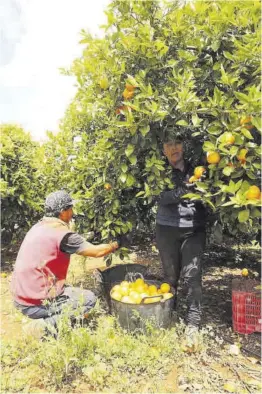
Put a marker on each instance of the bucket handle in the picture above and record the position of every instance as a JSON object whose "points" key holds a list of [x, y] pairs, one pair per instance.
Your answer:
{"points": [[159, 295]]}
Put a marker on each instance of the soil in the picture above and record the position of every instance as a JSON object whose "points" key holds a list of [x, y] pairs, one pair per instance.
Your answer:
{"points": [[222, 265]]}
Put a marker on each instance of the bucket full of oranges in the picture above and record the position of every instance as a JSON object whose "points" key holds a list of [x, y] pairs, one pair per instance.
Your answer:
{"points": [[136, 297], [140, 301]]}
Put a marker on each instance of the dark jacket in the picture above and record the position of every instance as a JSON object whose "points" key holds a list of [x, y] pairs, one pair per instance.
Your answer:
{"points": [[175, 211]]}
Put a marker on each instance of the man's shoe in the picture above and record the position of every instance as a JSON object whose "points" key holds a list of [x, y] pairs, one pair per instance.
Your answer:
{"points": [[36, 328], [190, 343]]}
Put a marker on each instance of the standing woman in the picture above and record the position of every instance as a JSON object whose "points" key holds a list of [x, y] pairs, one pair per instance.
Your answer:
{"points": [[180, 233]]}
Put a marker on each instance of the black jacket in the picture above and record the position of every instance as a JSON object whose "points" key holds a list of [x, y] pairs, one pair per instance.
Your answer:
{"points": [[177, 212]]}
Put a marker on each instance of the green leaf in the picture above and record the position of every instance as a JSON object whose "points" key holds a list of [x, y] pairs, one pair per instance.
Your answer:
{"points": [[228, 171], [196, 120], [130, 180], [228, 203], [247, 133], [124, 167], [242, 97], [133, 159], [129, 150], [256, 213], [192, 195], [233, 150], [251, 175], [144, 130], [182, 123], [123, 177], [243, 216], [208, 146]]}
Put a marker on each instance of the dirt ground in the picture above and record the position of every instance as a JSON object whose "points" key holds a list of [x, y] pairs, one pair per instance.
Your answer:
{"points": [[221, 264]]}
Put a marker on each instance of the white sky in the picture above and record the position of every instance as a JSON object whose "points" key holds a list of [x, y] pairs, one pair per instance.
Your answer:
{"points": [[38, 37]]}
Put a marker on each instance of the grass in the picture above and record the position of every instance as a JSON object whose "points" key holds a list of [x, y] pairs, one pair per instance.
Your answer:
{"points": [[102, 357]]}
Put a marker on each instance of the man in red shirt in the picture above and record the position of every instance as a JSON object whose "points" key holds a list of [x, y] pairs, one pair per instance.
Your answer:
{"points": [[38, 280]]}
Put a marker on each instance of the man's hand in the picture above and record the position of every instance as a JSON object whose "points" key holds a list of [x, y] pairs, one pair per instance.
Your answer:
{"points": [[114, 245], [99, 250]]}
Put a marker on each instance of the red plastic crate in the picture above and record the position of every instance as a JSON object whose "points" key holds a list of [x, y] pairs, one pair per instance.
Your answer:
{"points": [[246, 308]]}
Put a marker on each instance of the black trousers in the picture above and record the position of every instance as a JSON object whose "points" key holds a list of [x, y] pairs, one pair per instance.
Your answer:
{"points": [[180, 252]]}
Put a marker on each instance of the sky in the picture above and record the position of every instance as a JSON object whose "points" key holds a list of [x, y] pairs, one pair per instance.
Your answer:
{"points": [[37, 37]]}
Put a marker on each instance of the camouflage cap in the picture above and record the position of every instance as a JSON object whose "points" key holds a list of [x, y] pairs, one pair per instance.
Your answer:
{"points": [[57, 202]]}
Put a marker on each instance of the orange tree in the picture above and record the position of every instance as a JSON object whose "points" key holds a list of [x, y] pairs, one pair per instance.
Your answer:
{"points": [[162, 69]]}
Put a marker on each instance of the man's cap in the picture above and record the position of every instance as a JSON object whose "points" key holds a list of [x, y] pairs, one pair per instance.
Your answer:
{"points": [[57, 202]]}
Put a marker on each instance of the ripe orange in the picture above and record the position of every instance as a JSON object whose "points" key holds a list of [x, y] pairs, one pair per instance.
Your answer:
{"points": [[244, 272], [139, 281], [104, 83], [253, 193], [146, 286], [116, 288], [192, 179], [127, 300], [246, 122], [199, 171], [124, 283], [123, 108], [116, 295], [140, 289], [130, 87], [242, 155], [128, 94], [165, 288], [229, 138], [107, 186], [152, 289], [136, 297], [213, 157]]}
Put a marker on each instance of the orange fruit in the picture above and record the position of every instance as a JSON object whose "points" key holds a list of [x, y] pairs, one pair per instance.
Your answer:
{"points": [[229, 138], [246, 122], [116, 295], [192, 179], [128, 94], [244, 272], [116, 288], [140, 289], [199, 171], [130, 87], [124, 283], [146, 286], [253, 193], [107, 186], [136, 297], [139, 281], [127, 300], [242, 155], [165, 288], [123, 108], [124, 290], [104, 83], [145, 294], [152, 289], [213, 157]]}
